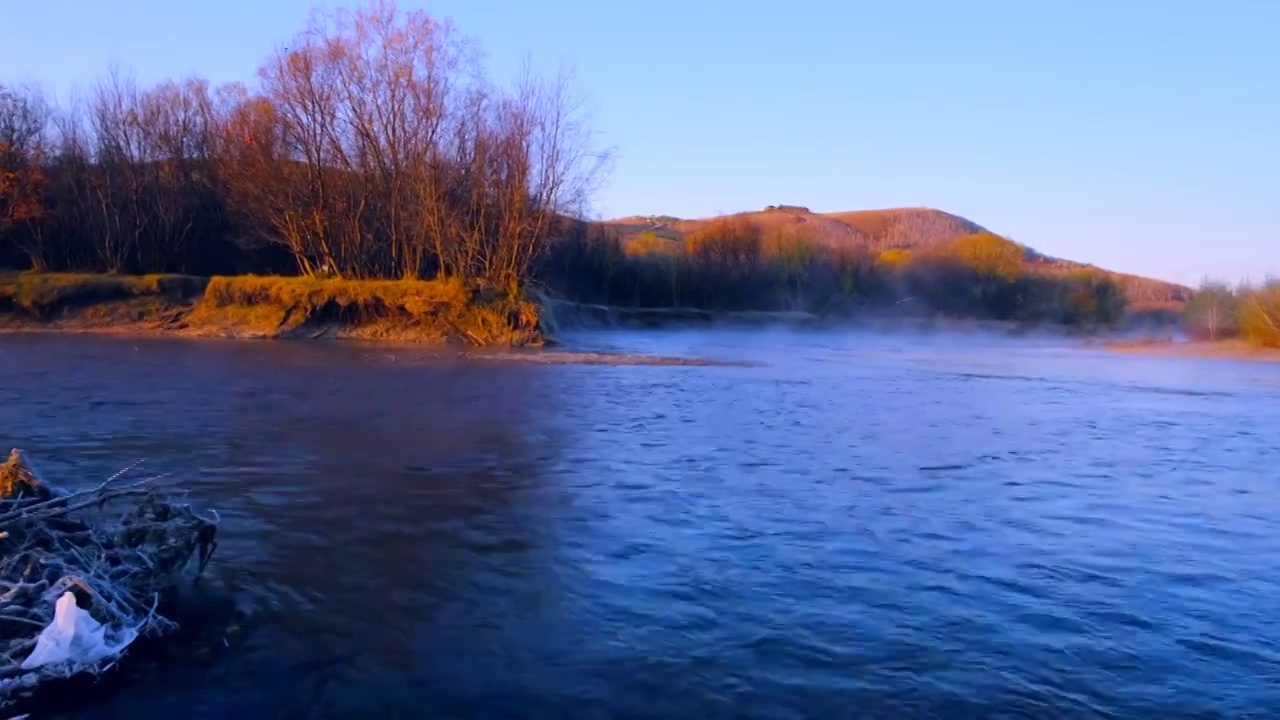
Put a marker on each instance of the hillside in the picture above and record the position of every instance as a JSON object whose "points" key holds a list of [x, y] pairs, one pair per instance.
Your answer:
{"points": [[880, 230], [877, 230]]}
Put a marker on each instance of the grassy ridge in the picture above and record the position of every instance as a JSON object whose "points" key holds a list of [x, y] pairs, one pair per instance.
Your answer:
{"points": [[41, 296], [436, 311]]}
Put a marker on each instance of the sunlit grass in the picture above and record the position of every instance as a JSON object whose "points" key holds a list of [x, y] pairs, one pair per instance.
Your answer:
{"points": [[263, 306], [41, 294]]}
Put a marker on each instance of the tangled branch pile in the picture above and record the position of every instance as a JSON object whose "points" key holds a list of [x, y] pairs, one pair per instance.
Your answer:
{"points": [[104, 558]]}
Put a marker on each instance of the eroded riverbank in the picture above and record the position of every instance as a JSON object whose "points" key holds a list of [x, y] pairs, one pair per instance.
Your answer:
{"points": [[427, 312]]}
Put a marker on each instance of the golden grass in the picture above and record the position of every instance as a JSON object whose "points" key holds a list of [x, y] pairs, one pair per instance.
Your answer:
{"points": [[427, 310], [43, 294], [255, 306], [313, 292]]}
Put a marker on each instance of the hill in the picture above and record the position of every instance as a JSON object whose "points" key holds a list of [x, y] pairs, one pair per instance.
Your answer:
{"points": [[878, 231]]}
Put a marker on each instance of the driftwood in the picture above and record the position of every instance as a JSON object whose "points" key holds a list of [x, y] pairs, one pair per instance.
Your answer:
{"points": [[118, 549]]}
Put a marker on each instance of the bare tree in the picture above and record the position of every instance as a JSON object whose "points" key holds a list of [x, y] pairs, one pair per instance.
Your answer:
{"points": [[374, 146], [393, 156], [120, 152], [175, 133], [24, 121], [550, 169], [1211, 312], [360, 101]]}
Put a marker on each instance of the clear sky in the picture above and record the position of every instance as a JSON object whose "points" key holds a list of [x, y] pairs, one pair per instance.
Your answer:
{"points": [[1140, 135]]}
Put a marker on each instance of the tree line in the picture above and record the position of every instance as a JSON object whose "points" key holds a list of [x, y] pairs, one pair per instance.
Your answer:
{"points": [[1218, 311], [372, 146], [734, 264]]}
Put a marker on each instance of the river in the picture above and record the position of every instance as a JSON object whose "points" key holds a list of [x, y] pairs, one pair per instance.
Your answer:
{"points": [[849, 525]]}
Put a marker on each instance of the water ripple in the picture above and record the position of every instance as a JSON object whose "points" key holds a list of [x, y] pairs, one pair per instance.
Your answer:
{"points": [[837, 526]]}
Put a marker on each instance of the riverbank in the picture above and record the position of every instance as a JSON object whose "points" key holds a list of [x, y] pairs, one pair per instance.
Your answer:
{"points": [[435, 312], [1203, 350], [409, 311], [427, 312]]}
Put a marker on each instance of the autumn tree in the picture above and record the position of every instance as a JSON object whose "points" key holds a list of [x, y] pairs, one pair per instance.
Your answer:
{"points": [[734, 243], [990, 256], [1259, 315], [1211, 312], [855, 269], [795, 256], [1091, 297], [894, 260], [726, 254]]}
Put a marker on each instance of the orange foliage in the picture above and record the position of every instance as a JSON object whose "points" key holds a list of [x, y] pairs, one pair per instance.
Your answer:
{"points": [[731, 242], [1259, 316], [895, 258], [20, 180], [647, 244], [990, 255], [790, 248]]}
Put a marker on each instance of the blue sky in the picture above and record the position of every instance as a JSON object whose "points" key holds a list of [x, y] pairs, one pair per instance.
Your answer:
{"points": [[1139, 135]]}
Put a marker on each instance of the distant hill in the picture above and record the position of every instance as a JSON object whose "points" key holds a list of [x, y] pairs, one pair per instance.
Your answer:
{"points": [[877, 230], [881, 230]]}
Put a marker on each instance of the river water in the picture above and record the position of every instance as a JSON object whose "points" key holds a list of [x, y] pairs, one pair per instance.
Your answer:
{"points": [[854, 525]]}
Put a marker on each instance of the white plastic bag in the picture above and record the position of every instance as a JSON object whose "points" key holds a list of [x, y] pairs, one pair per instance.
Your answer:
{"points": [[75, 636]]}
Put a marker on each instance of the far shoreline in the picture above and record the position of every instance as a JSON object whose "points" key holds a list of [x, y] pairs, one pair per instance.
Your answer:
{"points": [[553, 351], [444, 314], [1196, 350]]}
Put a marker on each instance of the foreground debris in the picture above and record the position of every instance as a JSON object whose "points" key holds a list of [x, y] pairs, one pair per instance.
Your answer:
{"points": [[82, 574]]}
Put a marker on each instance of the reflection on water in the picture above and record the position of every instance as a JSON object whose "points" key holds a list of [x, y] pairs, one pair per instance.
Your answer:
{"points": [[870, 526]]}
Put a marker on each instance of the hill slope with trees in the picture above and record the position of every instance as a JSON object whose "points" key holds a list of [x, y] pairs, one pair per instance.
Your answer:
{"points": [[786, 257]]}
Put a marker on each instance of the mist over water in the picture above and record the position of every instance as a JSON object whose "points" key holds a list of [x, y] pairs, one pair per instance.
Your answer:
{"points": [[896, 525]]}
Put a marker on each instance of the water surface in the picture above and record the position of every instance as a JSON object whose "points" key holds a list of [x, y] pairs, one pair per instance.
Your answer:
{"points": [[890, 526]]}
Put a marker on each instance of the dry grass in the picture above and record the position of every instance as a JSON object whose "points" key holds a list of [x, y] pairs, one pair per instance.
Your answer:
{"points": [[45, 295], [273, 307], [435, 310]]}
